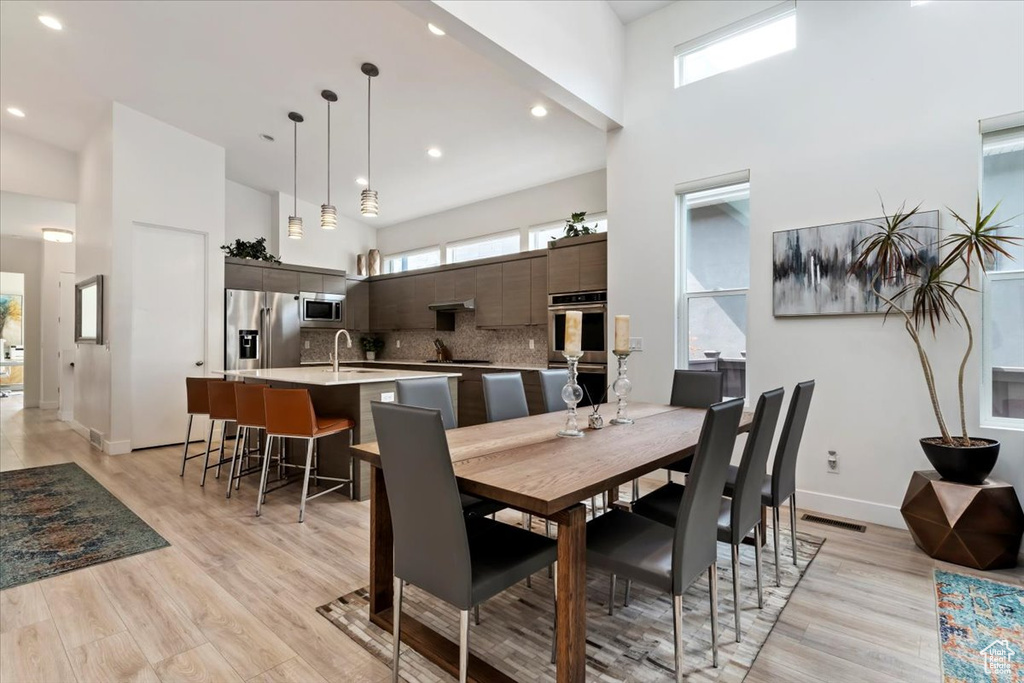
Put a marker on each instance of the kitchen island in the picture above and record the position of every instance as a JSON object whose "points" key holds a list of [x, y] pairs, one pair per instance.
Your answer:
{"points": [[348, 393]]}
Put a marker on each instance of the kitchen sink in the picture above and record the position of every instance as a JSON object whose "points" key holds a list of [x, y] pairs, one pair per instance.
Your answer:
{"points": [[343, 369]]}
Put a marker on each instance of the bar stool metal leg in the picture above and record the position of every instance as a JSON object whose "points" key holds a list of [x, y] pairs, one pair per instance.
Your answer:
{"points": [[209, 443], [184, 455], [305, 481], [235, 457], [263, 477]]}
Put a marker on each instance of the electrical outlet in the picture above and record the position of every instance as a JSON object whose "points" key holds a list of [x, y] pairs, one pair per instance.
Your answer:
{"points": [[832, 463], [307, 345], [636, 343], [398, 343], [531, 345], [387, 397]]}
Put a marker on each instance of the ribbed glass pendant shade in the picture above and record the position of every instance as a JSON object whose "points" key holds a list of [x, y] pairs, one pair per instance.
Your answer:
{"points": [[328, 217], [368, 205], [295, 227]]}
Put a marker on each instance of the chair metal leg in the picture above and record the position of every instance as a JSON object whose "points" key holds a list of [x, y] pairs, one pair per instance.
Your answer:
{"points": [[209, 443], [396, 627], [593, 507], [713, 586], [223, 438], [669, 473], [636, 491], [184, 455], [263, 477], [757, 562], [736, 588], [476, 615], [604, 500], [677, 632], [792, 524], [775, 535], [611, 596], [305, 481], [234, 457], [464, 646], [625, 600]]}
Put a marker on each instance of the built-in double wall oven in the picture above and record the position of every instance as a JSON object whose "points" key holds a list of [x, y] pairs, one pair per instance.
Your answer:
{"points": [[321, 310], [593, 365]]}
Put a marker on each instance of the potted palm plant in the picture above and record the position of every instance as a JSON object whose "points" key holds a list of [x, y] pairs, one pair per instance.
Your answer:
{"points": [[930, 301]]}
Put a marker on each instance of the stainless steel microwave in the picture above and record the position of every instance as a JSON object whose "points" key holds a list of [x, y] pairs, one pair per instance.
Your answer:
{"points": [[594, 306], [321, 310]]}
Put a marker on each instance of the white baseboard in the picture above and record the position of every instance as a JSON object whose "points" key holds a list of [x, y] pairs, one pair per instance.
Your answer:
{"points": [[852, 508], [117, 447], [79, 428], [49, 405]]}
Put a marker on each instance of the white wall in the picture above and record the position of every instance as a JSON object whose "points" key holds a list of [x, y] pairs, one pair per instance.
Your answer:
{"points": [[29, 166], [248, 214], [318, 247], [537, 205], [18, 255], [877, 97]]}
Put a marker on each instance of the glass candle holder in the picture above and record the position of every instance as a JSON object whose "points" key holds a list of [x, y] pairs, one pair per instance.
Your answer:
{"points": [[622, 388], [572, 394]]}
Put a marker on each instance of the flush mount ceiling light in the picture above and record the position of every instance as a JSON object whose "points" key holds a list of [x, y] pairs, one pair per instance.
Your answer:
{"points": [[58, 235], [14, 111], [368, 204], [328, 213], [295, 220], [362, 181], [539, 111], [266, 137], [434, 152], [436, 30], [50, 22]]}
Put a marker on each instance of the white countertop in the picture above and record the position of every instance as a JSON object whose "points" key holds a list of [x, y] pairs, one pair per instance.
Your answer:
{"points": [[424, 364], [325, 377]]}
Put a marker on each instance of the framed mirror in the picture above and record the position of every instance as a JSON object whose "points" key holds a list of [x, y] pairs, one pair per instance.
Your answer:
{"points": [[89, 311]]}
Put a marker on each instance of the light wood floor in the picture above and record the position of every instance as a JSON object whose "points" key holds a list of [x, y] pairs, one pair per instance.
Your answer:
{"points": [[234, 597]]}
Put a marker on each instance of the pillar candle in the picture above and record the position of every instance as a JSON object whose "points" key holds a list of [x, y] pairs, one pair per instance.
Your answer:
{"points": [[621, 334], [573, 333]]}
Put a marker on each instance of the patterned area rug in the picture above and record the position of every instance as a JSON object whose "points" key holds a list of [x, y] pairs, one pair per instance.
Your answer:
{"points": [[981, 629], [635, 645], [57, 519]]}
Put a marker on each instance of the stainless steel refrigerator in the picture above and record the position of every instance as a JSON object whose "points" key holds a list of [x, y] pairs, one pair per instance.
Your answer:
{"points": [[261, 330]]}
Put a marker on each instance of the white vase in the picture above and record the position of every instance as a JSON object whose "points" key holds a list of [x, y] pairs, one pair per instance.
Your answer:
{"points": [[371, 355]]}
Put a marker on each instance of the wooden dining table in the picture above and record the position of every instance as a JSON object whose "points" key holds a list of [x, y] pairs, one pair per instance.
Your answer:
{"points": [[523, 464]]}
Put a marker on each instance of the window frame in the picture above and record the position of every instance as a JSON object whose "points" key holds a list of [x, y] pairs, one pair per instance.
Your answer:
{"points": [[407, 254], [755, 21], [483, 239]]}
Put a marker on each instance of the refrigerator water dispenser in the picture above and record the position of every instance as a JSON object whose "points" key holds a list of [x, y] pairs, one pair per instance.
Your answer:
{"points": [[248, 344]]}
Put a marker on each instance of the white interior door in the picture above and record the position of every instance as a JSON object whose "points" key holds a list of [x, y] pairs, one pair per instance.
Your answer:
{"points": [[66, 346], [169, 300]]}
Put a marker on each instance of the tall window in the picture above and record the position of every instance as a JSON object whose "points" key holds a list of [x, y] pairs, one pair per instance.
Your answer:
{"points": [[714, 231], [542, 234], [1002, 181], [483, 247], [758, 37], [413, 260]]}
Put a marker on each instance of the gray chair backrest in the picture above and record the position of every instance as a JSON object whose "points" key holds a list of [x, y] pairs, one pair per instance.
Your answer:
{"points": [[746, 500], [431, 545], [428, 392], [696, 389], [504, 396], [696, 540], [551, 384], [784, 468]]}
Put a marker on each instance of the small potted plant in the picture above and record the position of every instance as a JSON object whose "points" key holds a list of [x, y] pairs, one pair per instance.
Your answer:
{"points": [[255, 250], [575, 226], [371, 346], [930, 300]]}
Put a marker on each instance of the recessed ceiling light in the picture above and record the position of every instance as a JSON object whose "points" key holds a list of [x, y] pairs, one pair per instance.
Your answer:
{"points": [[362, 181], [50, 22], [434, 152], [266, 137], [58, 235], [539, 111], [436, 30], [14, 111]]}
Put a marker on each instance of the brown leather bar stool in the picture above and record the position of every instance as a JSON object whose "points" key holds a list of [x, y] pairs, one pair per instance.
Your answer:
{"points": [[290, 415], [222, 409], [250, 413], [197, 398]]}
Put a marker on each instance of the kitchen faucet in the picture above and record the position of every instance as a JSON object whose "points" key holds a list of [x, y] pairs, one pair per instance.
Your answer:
{"points": [[347, 337]]}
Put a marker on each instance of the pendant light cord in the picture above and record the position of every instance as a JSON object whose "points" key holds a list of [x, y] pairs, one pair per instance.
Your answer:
{"points": [[328, 151], [295, 174], [369, 81]]}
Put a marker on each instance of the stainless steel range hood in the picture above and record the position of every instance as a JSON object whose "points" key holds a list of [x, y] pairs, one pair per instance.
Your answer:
{"points": [[465, 305]]}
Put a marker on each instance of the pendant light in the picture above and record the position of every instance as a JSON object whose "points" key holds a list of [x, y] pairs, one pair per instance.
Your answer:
{"points": [[368, 205], [295, 220], [328, 213]]}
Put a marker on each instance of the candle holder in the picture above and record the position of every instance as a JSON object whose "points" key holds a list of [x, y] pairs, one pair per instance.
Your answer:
{"points": [[622, 388], [572, 394]]}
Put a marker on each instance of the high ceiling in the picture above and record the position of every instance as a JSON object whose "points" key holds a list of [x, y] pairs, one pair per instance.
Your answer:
{"points": [[629, 11], [229, 71]]}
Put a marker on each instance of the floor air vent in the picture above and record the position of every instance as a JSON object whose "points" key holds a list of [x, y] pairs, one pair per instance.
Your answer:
{"points": [[96, 438], [839, 524]]}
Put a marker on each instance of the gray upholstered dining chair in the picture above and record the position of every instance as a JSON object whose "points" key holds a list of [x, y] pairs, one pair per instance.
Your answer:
{"points": [[462, 560], [740, 514], [780, 485], [504, 396], [434, 393], [694, 389], [551, 384], [672, 558]]}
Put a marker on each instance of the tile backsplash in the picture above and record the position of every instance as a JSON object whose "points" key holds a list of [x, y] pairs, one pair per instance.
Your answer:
{"points": [[508, 345]]}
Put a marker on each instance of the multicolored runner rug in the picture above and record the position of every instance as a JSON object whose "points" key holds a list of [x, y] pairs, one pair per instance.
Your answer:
{"points": [[981, 629], [56, 519]]}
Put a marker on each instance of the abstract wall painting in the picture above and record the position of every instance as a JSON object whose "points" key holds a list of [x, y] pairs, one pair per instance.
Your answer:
{"points": [[810, 267]]}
